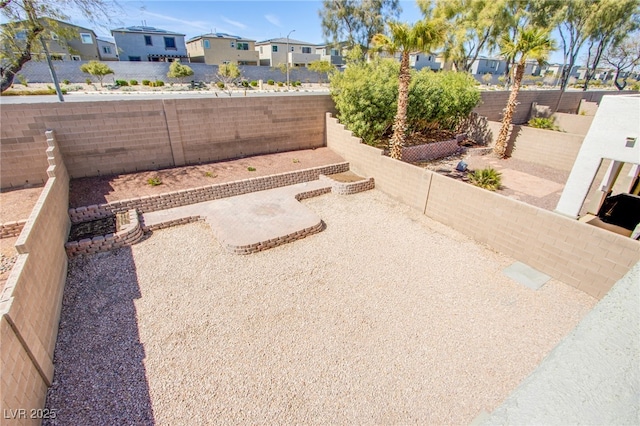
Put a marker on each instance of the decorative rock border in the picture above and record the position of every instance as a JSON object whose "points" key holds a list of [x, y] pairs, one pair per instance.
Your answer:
{"points": [[274, 242], [11, 229], [205, 193], [129, 234], [348, 188]]}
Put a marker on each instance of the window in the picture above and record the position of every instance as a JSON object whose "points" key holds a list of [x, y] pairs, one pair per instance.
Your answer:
{"points": [[86, 38], [170, 43], [206, 44], [260, 49], [74, 58], [148, 41], [334, 52], [226, 62], [429, 58], [274, 48], [242, 46], [292, 48], [134, 58], [57, 57], [417, 58], [106, 49], [233, 44], [305, 50]]}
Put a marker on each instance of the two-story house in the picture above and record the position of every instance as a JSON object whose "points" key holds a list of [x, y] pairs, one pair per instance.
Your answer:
{"points": [[428, 60], [274, 52], [107, 50], [149, 44], [331, 54], [483, 65], [221, 48], [64, 41]]}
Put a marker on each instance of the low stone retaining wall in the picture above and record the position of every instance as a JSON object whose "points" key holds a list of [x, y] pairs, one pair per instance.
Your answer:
{"points": [[275, 242], [431, 151], [205, 193], [130, 233], [11, 229], [348, 188]]}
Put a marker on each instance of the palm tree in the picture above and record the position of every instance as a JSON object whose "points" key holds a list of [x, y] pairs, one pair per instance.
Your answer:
{"points": [[535, 43], [405, 39]]}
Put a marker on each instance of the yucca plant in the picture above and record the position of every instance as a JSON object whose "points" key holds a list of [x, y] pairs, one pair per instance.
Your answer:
{"points": [[488, 178]]}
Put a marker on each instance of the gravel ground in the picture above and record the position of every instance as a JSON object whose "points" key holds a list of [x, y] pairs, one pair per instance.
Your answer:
{"points": [[385, 317]]}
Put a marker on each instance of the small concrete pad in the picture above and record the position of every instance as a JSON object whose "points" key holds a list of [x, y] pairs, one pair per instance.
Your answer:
{"points": [[526, 275]]}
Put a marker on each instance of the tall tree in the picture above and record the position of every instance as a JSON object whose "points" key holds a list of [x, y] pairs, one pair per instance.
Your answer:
{"points": [[623, 57], [26, 20], [610, 23], [356, 21], [530, 43], [405, 39]]}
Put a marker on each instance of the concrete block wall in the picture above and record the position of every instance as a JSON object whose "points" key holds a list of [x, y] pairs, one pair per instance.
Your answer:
{"points": [[583, 256], [111, 137], [11, 229], [31, 301], [573, 123], [430, 151], [547, 147]]}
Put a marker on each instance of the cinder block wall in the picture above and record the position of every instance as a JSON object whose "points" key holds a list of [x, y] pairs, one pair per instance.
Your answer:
{"points": [[31, 301], [98, 138], [573, 123], [583, 256], [547, 147]]}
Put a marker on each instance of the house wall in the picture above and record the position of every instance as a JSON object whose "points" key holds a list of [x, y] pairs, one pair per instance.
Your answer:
{"points": [[580, 255], [220, 51], [113, 56], [126, 136], [31, 301], [133, 44]]}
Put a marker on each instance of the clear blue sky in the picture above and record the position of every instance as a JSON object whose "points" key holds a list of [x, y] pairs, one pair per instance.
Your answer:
{"points": [[256, 20]]}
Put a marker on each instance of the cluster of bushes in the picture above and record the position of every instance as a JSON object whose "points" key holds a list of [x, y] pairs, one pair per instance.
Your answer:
{"points": [[157, 83], [548, 123], [366, 98]]}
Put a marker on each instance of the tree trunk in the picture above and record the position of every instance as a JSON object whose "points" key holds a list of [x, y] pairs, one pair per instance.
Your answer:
{"points": [[9, 72], [619, 86], [400, 121], [501, 143]]}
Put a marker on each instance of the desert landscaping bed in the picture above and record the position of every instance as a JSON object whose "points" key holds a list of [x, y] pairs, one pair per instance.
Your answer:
{"points": [[384, 317]]}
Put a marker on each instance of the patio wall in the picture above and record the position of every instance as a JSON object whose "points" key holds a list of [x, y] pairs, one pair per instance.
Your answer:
{"points": [[111, 137], [31, 301], [583, 256], [573, 123]]}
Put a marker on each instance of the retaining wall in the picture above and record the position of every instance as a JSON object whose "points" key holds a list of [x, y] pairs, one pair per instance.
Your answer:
{"points": [[11, 229], [31, 301], [583, 256], [130, 233], [112, 137], [573, 123]]}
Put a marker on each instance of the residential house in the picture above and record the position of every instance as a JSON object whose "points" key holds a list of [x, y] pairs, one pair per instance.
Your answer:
{"points": [[273, 52], [107, 50], [221, 48], [331, 54], [422, 60], [551, 70], [532, 67], [149, 44], [484, 65], [65, 41]]}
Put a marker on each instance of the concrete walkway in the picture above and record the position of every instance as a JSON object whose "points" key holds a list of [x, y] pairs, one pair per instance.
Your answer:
{"points": [[251, 222]]}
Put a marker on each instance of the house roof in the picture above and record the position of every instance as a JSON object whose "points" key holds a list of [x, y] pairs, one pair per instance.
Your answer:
{"points": [[283, 40], [219, 35], [144, 30]]}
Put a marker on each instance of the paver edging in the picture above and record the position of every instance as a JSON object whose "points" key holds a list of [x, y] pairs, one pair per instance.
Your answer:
{"points": [[129, 234], [11, 229], [348, 188]]}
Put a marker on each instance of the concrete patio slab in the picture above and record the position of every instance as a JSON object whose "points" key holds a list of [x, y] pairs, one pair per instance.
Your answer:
{"points": [[526, 275]]}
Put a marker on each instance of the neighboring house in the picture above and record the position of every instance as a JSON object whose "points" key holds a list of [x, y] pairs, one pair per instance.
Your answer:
{"points": [[274, 52], [422, 60], [532, 67], [331, 54], [65, 41], [603, 74], [551, 70], [221, 48], [107, 50], [484, 65], [149, 44]]}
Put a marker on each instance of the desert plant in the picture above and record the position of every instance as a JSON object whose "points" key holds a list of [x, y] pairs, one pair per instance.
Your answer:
{"points": [[146, 82], [251, 169], [271, 82], [23, 80], [229, 75], [122, 83], [254, 83], [210, 175], [543, 123], [321, 67], [65, 81], [133, 82], [220, 85], [159, 83], [179, 71], [154, 181], [280, 84], [297, 83], [487, 78], [96, 69], [488, 178]]}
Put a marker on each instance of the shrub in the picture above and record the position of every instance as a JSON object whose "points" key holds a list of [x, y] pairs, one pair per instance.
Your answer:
{"points": [[154, 181], [97, 69], [23, 80], [297, 83], [254, 83], [488, 178], [133, 82], [280, 84], [179, 71], [251, 169], [244, 83], [366, 94], [65, 81], [88, 81], [145, 82], [122, 83], [220, 85], [159, 83], [271, 82], [543, 123]]}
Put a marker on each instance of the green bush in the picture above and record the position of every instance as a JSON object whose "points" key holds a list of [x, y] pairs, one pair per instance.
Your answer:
{"points": [[122, 83], [244, 83], [366, 95], [543, 123], [254, 83], [88, 81], [65, 81], [145, 82], [297, 83], [159, 83], [220, 85], [488, 178], [280, 84], [154, 181], [271, 82], [133, 82]]}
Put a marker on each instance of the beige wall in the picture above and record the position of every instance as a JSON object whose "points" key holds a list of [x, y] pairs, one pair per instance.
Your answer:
{"points": [[31, 301], [100, 138], [573, 123], [547, 147], [583, 256]]}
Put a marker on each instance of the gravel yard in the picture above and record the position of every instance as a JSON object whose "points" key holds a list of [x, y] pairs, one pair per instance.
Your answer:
{"points": [[385, 317]]}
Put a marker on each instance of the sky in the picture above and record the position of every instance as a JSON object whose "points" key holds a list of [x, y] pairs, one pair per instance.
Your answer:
{"points": [[256, 20]]}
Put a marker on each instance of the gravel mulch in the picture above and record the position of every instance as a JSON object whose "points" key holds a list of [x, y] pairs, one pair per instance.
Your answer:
{"points": [[384, 317], [103, 189]]}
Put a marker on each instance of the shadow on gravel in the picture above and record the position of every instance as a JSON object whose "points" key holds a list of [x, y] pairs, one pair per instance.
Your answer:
{"points": [[100, 376]]}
